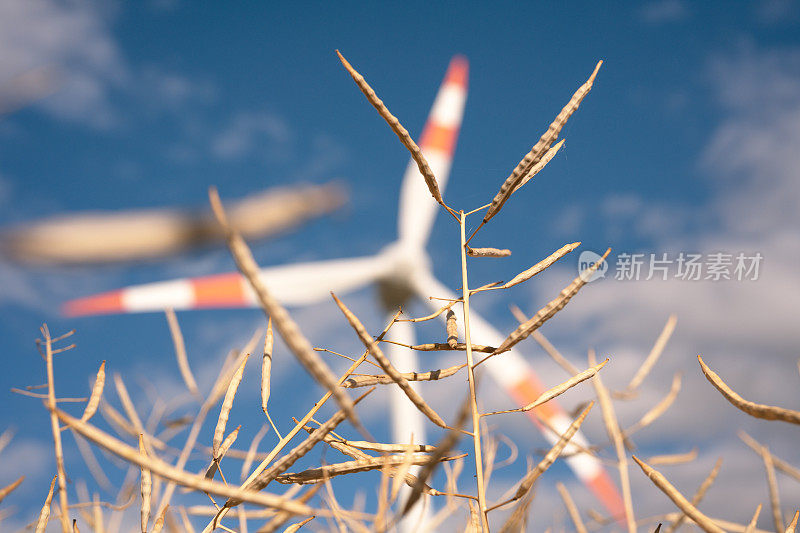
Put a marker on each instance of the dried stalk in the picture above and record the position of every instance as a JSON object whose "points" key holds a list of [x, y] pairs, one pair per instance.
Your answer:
{"points": [[146, 488], [383, 379], [227, 405], [793, 524], [8, 489], [398, 129], [780, 464], [539, 149], [766, 412], [558, 390], [705, 523], [441, 347], [571, 508], [657, 410], [162, 469], [180, 353], [542, 265], [530, 478], [614, 433], [44, 514], [774, 495], [59, 451], [655, 353], [288, 329], [673, 459], [549, 310], [476, 417], [488, 252], [751, 527], [698, 496], [97, 393], [387, 366]]}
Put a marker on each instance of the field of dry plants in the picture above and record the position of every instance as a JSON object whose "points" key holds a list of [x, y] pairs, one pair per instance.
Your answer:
{"points": [[275, 495]]}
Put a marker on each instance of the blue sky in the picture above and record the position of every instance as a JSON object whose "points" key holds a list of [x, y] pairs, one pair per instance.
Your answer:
{"points": [[686, 143]]}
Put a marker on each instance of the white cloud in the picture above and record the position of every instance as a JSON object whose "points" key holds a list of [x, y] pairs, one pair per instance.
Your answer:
{"points": [[746, 331], [663, 11], [249, 132]]}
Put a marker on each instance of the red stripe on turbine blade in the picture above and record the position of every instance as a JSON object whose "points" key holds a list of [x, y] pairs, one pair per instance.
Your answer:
{"points": [[458, 71], [606, 491], [100, 304], [220, 290], [441, 138]]}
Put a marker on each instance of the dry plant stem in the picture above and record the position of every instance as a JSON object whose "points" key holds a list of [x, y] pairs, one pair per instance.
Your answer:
{"points": [[387, 366], [774, 495], [451, 328], [548, 311], [673, 459], [180, 353], [655, 353], [317, 475], [488, 252], [558, 390], [146, 488], [539, 149], [283, 516], [266, 372], [530, 478], [476, 417], [59, 451], [97, 393], [288, 329], [443, 347], [8, 489], [780, 464], [753, 521], [383, 379], [542, 265], [571, 508], [317, 406], [162, 469], [766, 412], [704, 522], [44, 515], [296, 527], [398, 129], [657, 410], [227, 405], [614, 433], [793, 525], [698, 496]]}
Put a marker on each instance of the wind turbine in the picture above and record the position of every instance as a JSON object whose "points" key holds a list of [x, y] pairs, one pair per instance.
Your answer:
{"points": [[402, 271]]}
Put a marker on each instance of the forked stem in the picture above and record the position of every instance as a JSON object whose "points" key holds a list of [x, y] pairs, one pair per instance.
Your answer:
{"points": [[476, 417]]}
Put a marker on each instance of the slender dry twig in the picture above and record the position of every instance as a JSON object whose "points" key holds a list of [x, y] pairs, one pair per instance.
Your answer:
{"points": [[162, 469], [288, 329], [780, 464], [44, 514], [97, 393], [539, 149], [612, 427], [451, 329], [549, 310], [530, 478], [488, 252], [698, 496], [266, 372], [180, 352], [146, 488], [225, 410], [387, 366], [793, 524], [398, 129], [476, 417], [673, 459], [571, 508], [774, 495], [295, 527], [8, 489], [251, 451], [652, 357], [751, 527], [658, 409], [766, 412], [542, 265], [59, 451], [705, 523], [441, 346], [384, 379], [558, 390]]}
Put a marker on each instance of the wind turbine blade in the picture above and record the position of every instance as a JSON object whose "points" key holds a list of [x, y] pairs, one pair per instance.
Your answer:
{"points": [[438, 143], [296, 284], [407, 421], [513, 373]]}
